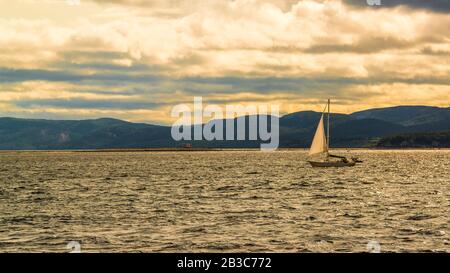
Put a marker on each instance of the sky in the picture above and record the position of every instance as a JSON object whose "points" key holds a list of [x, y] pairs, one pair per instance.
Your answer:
{"points": [[136, 59]]}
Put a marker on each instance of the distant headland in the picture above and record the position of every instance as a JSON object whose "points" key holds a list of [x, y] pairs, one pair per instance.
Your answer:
{"points": [[392, 127]]}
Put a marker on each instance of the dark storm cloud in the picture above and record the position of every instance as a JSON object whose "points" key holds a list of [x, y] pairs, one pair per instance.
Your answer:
{"points": [[433, 5], [87, 104], [305, 85], [151, 83], [8, 75]]}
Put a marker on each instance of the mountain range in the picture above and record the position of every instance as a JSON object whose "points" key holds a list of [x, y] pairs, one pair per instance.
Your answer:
{"points": [[366, 128]]}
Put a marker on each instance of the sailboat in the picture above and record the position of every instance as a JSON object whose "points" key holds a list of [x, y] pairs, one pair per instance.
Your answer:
{"points": [[320, 146]]}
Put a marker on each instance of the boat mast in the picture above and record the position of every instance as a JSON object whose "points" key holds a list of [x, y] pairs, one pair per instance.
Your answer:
{"points": [[328, 126]]}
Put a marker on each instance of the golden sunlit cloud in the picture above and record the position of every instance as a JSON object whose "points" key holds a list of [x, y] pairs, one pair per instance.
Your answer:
{"points": [[100, 57]]}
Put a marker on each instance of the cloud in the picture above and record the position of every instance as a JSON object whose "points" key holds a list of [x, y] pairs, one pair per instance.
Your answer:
{"points": [[154, 54], [226, 37], [86, 104], [20, 75]]}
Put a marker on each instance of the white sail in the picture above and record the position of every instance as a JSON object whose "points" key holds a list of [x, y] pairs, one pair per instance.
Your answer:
{"points": [[319, 144]]}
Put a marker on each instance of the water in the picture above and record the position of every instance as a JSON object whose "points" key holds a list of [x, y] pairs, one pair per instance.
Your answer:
{"points": [[223, 202]]}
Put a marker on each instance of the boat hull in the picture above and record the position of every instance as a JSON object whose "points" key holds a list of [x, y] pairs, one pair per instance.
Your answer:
{"points": [[330, 164]]}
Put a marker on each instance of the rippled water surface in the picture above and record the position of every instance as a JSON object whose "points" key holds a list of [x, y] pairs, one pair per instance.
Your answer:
{"points": [[225, 201]]}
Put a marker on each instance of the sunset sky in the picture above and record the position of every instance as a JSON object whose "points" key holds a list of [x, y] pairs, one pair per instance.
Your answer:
{"points": [[136, 59]]}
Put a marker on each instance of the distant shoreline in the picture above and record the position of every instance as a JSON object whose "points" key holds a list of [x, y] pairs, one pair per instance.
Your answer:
{"points": [[156, 150], [402, 127]]}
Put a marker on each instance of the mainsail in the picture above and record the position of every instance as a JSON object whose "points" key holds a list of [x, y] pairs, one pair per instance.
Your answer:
{"points": [[319, 144]]}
